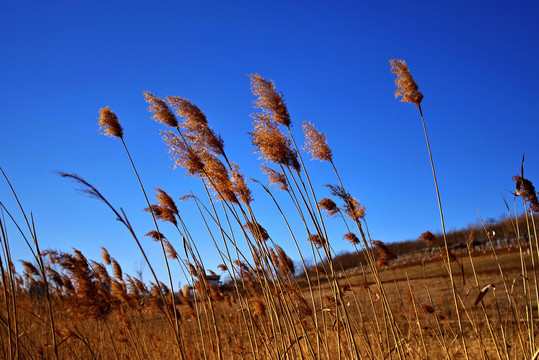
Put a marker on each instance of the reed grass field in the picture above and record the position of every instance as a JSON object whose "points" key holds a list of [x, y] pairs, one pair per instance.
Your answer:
{"points": [[454, 302]]}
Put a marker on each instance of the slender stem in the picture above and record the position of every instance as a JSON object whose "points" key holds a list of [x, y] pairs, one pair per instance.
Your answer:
{"points": [[453, 290], [160, 240], [39, 260]]}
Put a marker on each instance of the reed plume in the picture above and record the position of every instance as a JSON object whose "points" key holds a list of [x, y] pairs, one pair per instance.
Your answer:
{"points": [[196, 127], [171, 252], [526, 190], [165, 200], [428, 237], [165, 210], [271, 143], [407, 88], [116, 269], [161, 112], [384, 254], [239, 185], [182, 155], [109, 124], [55, 277], [352, 207], [222, 267], [286, 265], [329, 205], [220, 181], [155, 235], [317, 240], [105, 256], [303, 307], [275, 178], [316, 143], [101, 272], [256, 230], [351, 238], [162, 213], [269, 100]]}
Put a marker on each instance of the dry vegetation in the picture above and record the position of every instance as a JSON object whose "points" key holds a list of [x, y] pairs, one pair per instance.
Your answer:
{"points": [[455, 304]]}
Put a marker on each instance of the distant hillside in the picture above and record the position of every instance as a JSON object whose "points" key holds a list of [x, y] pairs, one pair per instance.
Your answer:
{"points": [[502, 231]]}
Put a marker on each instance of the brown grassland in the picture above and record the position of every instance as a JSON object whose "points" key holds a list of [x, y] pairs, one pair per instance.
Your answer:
{"points": [[453, 303]]}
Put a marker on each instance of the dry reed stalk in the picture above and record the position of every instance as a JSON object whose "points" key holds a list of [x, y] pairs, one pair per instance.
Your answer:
{"points": [[8, 279], [245, 310], [356, 212], [306, 271], [39, 260], [316, 144], [487, 319], [93, 192], [526, 190], [109, 121], [203, 139], [407, 89]]}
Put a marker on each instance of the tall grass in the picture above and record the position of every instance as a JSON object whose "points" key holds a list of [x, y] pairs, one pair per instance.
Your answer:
{"points": [[63, 305]]}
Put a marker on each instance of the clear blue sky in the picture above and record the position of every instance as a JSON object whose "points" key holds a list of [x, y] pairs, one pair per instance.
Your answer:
{"points": [[475, 62]]}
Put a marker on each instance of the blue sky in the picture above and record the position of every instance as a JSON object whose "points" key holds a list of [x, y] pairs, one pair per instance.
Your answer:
{"points": [[475, 63]]}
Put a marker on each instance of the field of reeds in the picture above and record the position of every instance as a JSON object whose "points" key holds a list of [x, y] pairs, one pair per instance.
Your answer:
{"points": [[454, 303]]}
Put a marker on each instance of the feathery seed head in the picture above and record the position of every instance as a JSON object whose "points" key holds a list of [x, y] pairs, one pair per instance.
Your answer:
{"points": [[256, 230], [191, 269], [101, 273], [351, 238], [352, 206], [525, 188], [29, 268], [428, 237], [272, 144], [162, 213], [407, 88], [317, 240], [302, 305], [155, 236], [286, 265], [316, 143], [165, 200], [161, 112], [219, 178], [384, 254], [273, 257], [276, 178], [116, 269], [183, 155], [169, 249], [328, 205], [319, 269], [215, 294], [109, 124], [269, 100], [55, 277], [222, 267], [195, 124], [240, 186], [354, 209], [105, 256]]}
